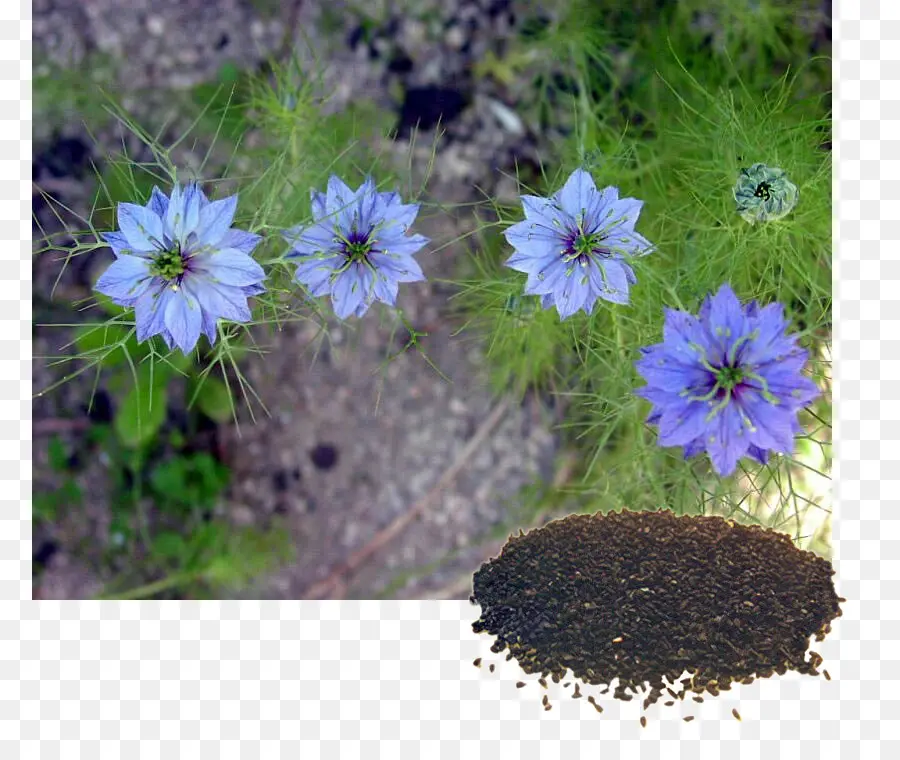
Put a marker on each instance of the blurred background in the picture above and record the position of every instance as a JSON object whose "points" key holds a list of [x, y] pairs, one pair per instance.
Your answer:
{"points": [[362, 478]]}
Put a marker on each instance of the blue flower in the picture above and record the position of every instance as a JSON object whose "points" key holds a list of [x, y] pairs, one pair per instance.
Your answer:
{"points": [[727, 381], [575, 246], [357, 248], [181, 266]]}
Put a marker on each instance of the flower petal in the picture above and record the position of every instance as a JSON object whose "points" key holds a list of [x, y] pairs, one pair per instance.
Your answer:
{"points": [[159, 203], [141, 227], [612, 284], [243, 241], [228, 266], [725, 441], [183, 214], [530, 239], [149, 312], [215, 219], [316, 274], [402, 245], [398, 267], [311, 239], [573, 293], [318, 205], [576, 192], [348, 293], [682, 422], [183, 319], [626, 213], [117, 243], [125, 280], [219, 300]]}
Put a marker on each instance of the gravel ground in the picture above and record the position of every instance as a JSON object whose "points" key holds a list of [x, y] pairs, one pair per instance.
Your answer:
{"points": [[336, 468]]}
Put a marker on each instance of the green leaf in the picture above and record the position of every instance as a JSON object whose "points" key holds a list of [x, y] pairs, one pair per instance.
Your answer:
{"points": [[141, 414], [214, 400], [56, 453], [168, 545]]}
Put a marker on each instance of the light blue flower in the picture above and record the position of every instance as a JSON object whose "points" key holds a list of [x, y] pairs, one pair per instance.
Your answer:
{"points": [[182, 266], [356, 249], [575, 246], [728, 381]]}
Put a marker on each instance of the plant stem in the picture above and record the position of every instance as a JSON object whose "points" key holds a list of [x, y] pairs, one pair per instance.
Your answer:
{"points": [[151, 589]]}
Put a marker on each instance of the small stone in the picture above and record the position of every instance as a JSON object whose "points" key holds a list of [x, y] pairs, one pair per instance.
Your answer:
{"points": [[156, 26]]}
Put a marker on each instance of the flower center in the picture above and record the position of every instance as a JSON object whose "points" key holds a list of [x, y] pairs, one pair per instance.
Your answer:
{"points": [[728, 378], [763, 190], [585, 244], [357, 250], [168, 264]]}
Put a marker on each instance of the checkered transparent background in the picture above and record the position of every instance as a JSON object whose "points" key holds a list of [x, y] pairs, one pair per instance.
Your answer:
{"points": [[395, 679]]}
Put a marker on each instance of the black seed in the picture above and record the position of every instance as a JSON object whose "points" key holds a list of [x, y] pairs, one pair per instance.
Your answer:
{"points": [[491, 667], [543, 682], [698, 699], [567, 684], [642, 597], [477, 662], [324, 456], [520, 684]]}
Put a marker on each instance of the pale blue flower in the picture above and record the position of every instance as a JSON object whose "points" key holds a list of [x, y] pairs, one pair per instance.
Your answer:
{"points": [[575, 246], [356, 249], [182, 266]]}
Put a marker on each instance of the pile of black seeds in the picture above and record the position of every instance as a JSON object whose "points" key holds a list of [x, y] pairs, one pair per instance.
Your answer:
{"points": [[645, 596]]}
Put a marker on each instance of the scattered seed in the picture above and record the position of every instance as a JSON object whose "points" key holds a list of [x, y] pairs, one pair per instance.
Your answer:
{"points": [[688, 719], [827, 675], [534, 593], [520, 684], [736, 714], [491, 667], [543, 682], [477, 662], [643, 722], [545, 700], [577, 693], [669, 703], [548, 707], [567, 684], [593, 701]]}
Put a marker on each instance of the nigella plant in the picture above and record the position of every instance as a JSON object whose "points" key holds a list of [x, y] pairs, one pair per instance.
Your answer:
{"points": [[575, 245], [357, 248], [728, 381], [181, 266], [764, 194]]}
